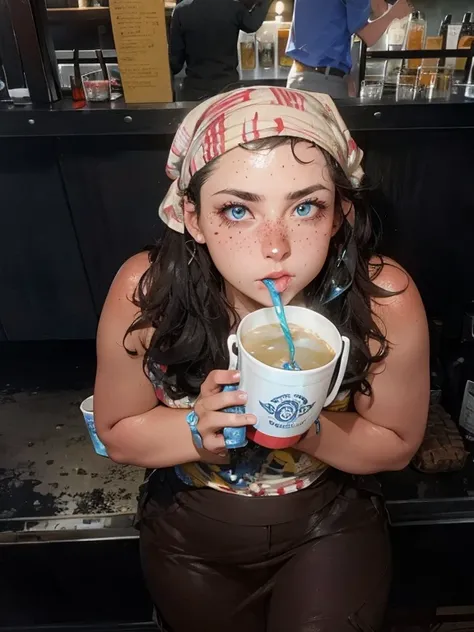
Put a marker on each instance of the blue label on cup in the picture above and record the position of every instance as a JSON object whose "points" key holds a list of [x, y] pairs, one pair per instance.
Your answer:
{"points": [[99, 447], [285, 411]]}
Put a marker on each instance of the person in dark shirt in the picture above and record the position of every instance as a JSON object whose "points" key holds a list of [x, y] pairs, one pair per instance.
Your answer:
{"points": [[204, 35]]}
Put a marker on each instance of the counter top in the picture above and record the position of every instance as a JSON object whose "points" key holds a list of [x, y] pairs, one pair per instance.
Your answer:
{"points": [[54, 487], [52, 484], [67, 119]]}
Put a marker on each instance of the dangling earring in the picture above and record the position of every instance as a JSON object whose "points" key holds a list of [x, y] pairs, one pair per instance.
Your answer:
{"points": [[340, 278], [191, 250]]}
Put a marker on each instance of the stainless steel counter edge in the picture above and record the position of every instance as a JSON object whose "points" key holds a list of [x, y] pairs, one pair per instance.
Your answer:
{"points": [[67, 529], [118, 118], [402, 513]]}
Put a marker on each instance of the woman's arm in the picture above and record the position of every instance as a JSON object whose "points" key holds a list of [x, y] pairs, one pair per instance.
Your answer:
{"points": [[389, 426], [133, 428]]}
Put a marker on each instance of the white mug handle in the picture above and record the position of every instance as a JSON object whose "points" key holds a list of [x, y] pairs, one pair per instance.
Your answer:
{"points": [[346, 347], [233, 357]]}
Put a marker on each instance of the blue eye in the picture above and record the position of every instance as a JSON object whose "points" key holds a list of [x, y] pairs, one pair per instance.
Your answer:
{"points": [[236, 213], [303, 210]]}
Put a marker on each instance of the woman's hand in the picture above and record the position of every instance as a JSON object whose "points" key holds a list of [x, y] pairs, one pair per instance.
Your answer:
{"points": [[209, 406]]}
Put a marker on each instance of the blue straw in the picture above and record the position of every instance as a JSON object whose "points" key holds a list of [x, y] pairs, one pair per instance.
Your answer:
{"points": [[292, 365]]}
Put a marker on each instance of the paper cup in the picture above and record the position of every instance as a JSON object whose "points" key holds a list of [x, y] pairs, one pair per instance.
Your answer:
{"points": [[287, 403], [87, 410]]}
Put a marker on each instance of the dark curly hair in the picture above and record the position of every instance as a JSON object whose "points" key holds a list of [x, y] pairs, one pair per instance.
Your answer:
{"points": [[185, 305]]}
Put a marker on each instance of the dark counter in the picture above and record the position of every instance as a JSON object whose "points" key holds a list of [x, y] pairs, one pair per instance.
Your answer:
{"points": [[117, 118]]}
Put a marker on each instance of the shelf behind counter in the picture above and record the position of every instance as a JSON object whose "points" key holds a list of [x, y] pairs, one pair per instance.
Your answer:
{"points": [[67, 118]]}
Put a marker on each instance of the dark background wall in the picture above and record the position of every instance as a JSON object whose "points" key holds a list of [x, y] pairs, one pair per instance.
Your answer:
{"points": [[72, 212]]}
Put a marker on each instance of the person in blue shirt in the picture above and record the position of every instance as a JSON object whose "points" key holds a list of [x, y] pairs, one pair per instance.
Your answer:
{"points": [[320, 39]]}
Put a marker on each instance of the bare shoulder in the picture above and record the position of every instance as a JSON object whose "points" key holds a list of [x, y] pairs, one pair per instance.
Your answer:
{"points": [[389, 275], [120, 310], [129, 275], [402, 303]]}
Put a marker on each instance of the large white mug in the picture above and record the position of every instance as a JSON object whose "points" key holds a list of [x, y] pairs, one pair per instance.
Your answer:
{"points": [[287, 403]]}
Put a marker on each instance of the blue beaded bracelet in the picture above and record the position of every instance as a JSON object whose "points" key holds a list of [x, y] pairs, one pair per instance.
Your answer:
{"points": [[192, 420]]}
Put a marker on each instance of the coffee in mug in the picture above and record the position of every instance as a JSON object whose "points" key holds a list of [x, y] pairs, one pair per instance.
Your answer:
{"points": [[268, 345], [287, 403]]}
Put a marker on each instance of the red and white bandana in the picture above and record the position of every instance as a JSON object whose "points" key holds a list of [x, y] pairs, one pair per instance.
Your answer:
{"points": [[247, 114]]}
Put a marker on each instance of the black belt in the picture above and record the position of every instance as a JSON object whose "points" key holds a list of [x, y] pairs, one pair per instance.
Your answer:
{"points": [[322, 70]]}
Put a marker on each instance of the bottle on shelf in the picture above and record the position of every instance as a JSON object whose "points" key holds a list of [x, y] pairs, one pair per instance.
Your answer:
{"points": [[248, 51], [469, 90], [283, 35], [466, 27], [396, 37], [466, 38], [415, 37], [266, 47], [443, 32], [443, 29]]}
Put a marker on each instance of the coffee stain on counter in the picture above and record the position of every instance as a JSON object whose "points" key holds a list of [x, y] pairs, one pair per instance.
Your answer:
{"points": [[48, 465]]}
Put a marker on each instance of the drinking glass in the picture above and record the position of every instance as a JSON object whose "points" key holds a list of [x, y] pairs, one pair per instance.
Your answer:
{"points": [[96, 88], [434, 83], [371, 89], [406, 85]]}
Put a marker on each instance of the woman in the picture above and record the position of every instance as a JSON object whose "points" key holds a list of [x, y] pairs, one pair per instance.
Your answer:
{"points": [[266, 180]]}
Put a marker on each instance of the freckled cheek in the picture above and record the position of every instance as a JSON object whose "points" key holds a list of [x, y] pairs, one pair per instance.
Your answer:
{"points": [[302, 235], [309, 246], [228, 243], [236, 256]]}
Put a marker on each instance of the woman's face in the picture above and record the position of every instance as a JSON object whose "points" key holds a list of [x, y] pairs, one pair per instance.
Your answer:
{"points": [[266, 214]]}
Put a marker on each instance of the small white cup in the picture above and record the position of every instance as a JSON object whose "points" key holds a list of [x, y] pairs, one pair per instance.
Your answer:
{"points": [[87, 410], [287, 403]]}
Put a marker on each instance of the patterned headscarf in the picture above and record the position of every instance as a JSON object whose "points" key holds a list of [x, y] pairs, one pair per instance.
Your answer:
{"points": [[229, 120]]}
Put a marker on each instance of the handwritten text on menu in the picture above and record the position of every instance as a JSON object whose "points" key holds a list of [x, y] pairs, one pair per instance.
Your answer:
{"points": [[140, 40]]}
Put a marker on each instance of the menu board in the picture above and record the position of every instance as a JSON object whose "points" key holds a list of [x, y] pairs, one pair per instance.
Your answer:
{"points": [[139, 28]]}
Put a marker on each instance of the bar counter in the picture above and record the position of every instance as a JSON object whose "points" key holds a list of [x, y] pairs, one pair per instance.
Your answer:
{"points": [[80, 192], [67, 119]]}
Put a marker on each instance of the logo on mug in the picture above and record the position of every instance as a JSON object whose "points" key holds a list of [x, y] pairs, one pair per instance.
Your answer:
{"points": [[286, 410]]}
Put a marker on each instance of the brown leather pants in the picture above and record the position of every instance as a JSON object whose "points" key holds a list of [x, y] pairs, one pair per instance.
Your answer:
{"points": [[317, 560]]}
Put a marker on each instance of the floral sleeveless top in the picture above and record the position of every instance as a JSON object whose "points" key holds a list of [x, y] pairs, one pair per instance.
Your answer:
{"points": [[255, 471]]}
